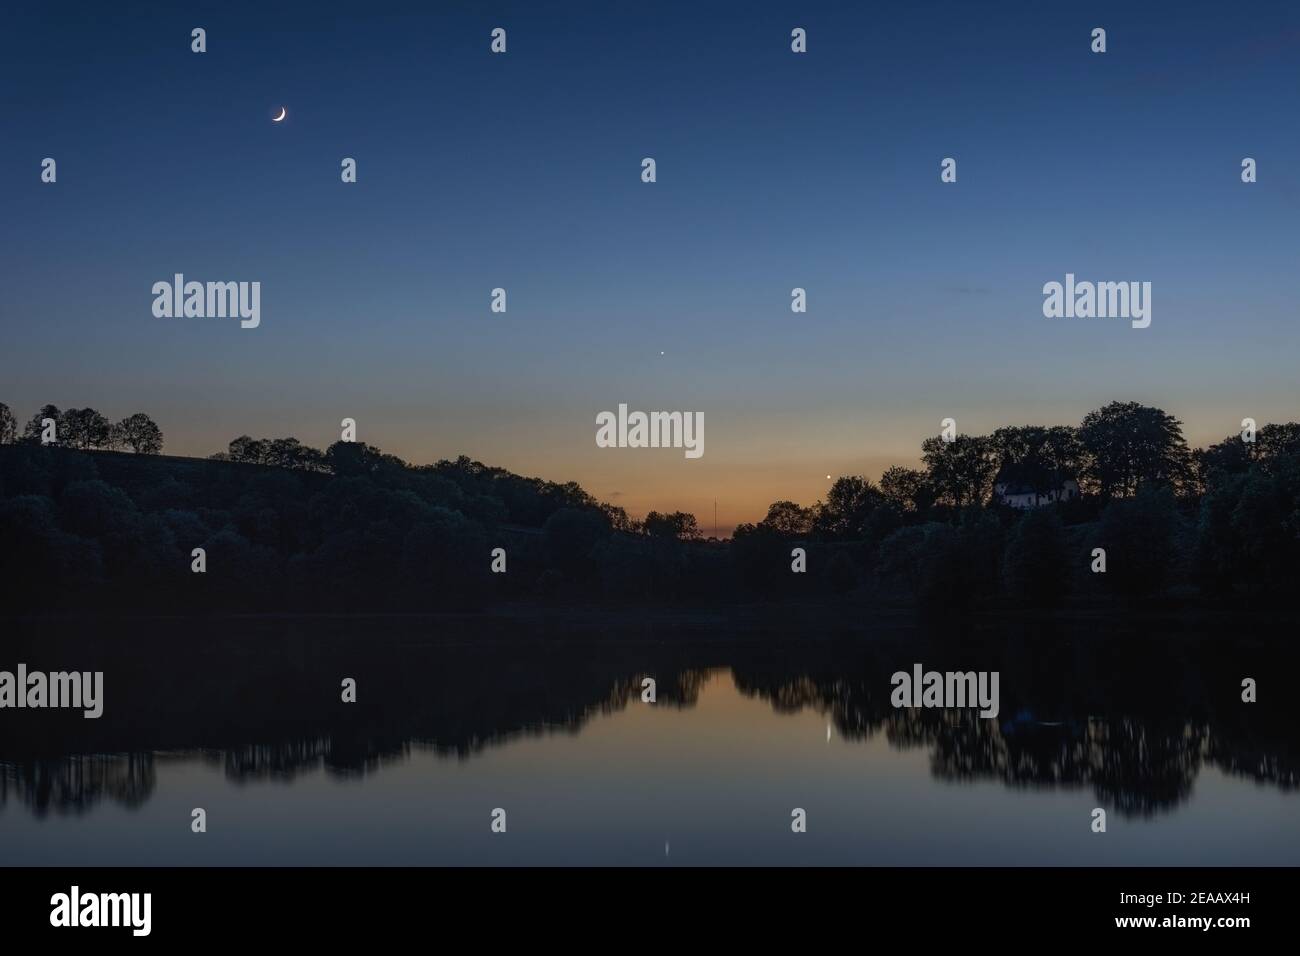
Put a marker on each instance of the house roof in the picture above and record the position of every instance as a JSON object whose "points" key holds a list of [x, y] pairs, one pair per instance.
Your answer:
{"points": [[1010, 489], [1019, 478]]}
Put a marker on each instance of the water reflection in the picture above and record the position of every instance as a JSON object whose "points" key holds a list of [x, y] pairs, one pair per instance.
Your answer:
{"points": [[1133, 717]]}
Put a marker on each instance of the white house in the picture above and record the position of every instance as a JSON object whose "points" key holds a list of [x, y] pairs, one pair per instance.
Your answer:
{"points": [[1018, 489]]}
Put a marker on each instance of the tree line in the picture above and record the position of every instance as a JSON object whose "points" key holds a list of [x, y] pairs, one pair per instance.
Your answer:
{"points": [[1114, 453], [287, 526], [83, 428], [1173, 523]]}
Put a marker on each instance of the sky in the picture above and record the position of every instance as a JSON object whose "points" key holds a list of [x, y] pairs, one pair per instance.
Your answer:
{"points": [[775, 170]]}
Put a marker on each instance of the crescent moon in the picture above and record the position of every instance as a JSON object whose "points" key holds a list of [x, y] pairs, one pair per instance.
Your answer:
{"points": [[283, 114]]}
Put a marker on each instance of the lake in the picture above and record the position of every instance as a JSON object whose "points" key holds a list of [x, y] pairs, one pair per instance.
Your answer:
{"points": [[544, 718]]}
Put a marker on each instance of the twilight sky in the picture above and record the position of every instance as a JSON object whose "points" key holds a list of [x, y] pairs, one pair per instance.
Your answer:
{"points": [[775, 170]]}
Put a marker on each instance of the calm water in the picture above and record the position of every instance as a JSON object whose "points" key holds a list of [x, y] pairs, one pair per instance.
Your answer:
{"points": [[545, 719]]}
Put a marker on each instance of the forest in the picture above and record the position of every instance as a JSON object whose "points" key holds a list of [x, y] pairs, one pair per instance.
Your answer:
{"points": [[99, 520]]}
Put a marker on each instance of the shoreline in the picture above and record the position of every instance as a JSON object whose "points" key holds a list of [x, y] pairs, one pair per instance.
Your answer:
{"points": [[768, 615]]}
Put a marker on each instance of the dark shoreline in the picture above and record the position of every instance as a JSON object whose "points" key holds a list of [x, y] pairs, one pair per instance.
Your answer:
{"points": [[718, 613], [775, 623]]}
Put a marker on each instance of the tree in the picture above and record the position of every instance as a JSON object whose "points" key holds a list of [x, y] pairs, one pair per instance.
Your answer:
{"points": [[1138, 535], [945, 568], [1273, 444], [897, 562], [907, 488], [1220, 461], [961, 471], [1128, 445], [619, 520], [247, 449], [678, 525], [85, 428], [570, 494], [41, 566], [347, 458], [1036, 565], [1248, 532], [927, 560], [36, 427], [8, 427], [761, 556], [433, 558], [94, 508], [1278, 443], [788, 519], [569, 536], [291, 453], [139, 433], [847, 509]]}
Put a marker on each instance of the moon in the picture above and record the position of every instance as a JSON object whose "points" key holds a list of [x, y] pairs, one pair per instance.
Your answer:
{"points": [[283, 114]]}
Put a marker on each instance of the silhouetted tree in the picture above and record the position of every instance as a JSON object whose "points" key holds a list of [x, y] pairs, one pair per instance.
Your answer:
{"points": [[347, 459], [907, 488], [570, 534], [139, 433], [678, 525], [1248, 531], [41, 566], [247, 449], [848, 508], [960, 471], [1128, 445], [36, 426], [1225, 459], [761, 555], [1233, 456], [8, 427], [1278, 444], [788, 519], [946, 568], [1138, 535], [291, 453], [619, 520], [355, 528], [1036, 565], [435, 558], [85, 428], [922, 560]]}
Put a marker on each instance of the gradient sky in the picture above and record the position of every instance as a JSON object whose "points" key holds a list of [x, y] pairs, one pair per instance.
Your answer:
{"points": [[775, 170]]}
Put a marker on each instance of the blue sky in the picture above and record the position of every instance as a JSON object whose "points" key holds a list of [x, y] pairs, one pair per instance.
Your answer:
{"points": [[775, 170]]}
